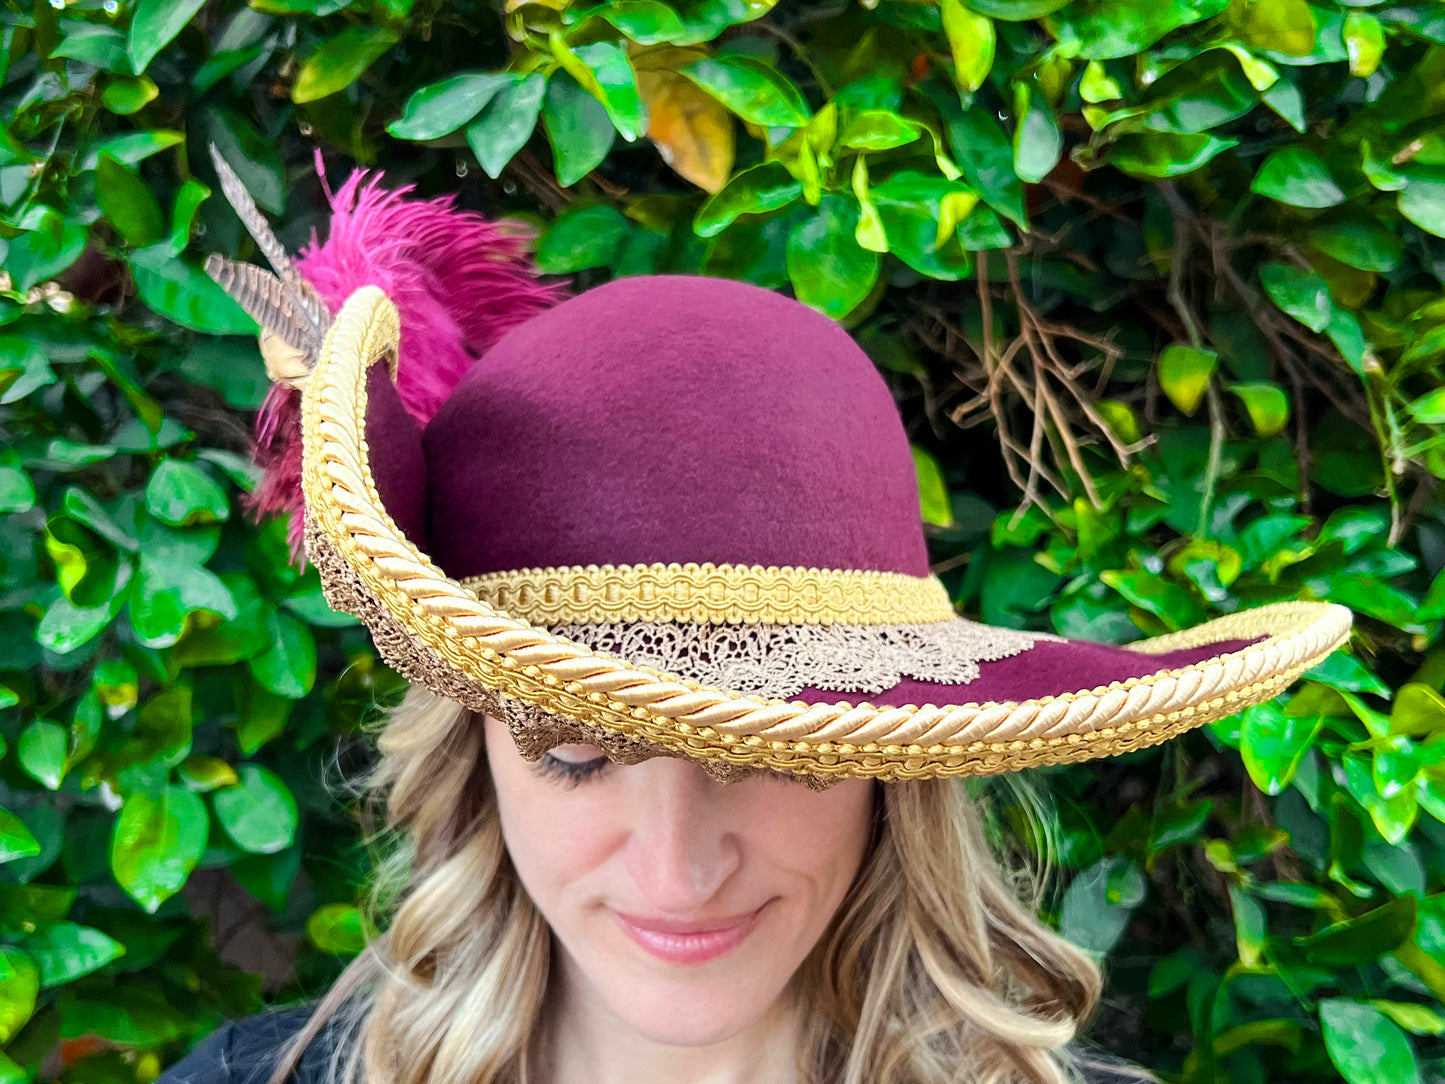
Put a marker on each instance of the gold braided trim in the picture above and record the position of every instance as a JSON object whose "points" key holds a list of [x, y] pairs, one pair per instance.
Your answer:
{"points": [[436, 631], [714, 594]]}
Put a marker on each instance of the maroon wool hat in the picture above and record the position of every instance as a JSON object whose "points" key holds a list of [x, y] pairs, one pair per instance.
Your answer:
{"points": [[673, 515]]}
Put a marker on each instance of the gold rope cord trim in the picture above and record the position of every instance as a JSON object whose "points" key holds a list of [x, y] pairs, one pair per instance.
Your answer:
{"points": [[439, 633], [713, 594]]}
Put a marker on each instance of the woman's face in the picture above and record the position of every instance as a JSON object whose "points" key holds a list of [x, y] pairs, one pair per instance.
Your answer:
{"points": [[682, 906]]}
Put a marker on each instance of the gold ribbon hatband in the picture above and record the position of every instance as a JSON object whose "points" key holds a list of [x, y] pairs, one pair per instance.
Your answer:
{"points": [[715, 594]]}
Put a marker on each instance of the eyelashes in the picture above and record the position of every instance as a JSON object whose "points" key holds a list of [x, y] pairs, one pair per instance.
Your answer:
{"points": [[570, 773]]}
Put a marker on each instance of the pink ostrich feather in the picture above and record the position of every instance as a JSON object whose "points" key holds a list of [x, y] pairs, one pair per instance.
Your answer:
{"points": [[459, 281]]}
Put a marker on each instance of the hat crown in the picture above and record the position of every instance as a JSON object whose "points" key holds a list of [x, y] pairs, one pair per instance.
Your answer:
{"points": [[673, 419]]}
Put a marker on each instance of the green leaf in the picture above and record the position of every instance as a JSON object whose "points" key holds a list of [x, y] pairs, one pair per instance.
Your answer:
{"points": [[1365, 1045], [1280, 26], [1272, 744], [130, 147], [971, 40], [154, 24], [260, 813], [1157, 155], [1422, 201], [340, 61], [1108, 29], [16, 841], [17, 492], [1418, 711], [253, 158], [1362, 940], [269, 877], [181, 494], [878, 129], [337, 928], [19, 986], [181, 293], [128, 203], [441, 108], [829, 270], [1167, 601], [1250, 929], [578, 128], [752, 89], [189, 198], [1298, 177], [203, 774], [1100, 902], [1038, 140], [1359, 240], [124, 96], [24, 368], [1184, 374], [42, 252], [1365, 43], [41, 749], [1016, 11], [616, 84], [157, 842], [65, 627], [288, 667], [94, 43], [758, 190], [64, 951], [1301, 294], [647, 22], [1419, 1019], [1266, 404], [932, 490], [583, 235], [506, 123]]}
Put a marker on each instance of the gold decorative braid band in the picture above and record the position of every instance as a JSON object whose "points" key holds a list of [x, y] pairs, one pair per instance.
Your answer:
{"points": [[438, 633], [714, 594]]}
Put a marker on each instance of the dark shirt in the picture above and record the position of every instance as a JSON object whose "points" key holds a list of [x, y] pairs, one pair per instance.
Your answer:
{"points": [[244, 1052]]}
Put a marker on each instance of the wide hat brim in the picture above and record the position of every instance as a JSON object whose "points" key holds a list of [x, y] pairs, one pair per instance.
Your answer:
{"points": [[442, 635]]}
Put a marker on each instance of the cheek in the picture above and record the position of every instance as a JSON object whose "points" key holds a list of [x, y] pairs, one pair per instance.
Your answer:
{"points": [[555, 836], [820, 838]]}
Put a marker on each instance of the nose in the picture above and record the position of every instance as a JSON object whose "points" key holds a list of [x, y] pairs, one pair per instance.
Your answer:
{"points": [[681, 849]]}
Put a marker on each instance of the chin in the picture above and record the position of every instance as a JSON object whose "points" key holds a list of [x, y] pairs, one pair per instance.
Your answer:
{"points": [[688, 1005], [695, 1012]]}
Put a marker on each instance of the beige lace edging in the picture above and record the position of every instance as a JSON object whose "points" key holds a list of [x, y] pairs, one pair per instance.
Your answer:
{"points": [[435, 631], [778, 661]]}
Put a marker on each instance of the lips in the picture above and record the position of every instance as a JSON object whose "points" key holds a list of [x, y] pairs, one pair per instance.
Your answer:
{"points": [[689, 941]]}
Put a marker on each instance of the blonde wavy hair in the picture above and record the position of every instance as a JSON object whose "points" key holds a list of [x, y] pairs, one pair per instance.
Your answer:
{"points": [[932, 971]]}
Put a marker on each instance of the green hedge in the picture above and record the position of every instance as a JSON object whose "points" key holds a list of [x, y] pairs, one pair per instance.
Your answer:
{"points": [[1158, 284]]}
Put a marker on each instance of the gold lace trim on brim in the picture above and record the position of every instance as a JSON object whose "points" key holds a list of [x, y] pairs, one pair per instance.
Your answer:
{"points": [[713, 594]]}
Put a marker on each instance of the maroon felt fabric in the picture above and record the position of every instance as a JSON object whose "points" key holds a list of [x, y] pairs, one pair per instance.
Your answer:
{"points": [[1049, 668], [673, 418], [393, 442]]}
